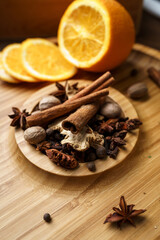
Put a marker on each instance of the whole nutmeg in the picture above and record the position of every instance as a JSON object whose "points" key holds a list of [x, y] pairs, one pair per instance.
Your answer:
{"points": [[48, 102], [137, 90], [101, 151], [34, 135], [111, 110]]}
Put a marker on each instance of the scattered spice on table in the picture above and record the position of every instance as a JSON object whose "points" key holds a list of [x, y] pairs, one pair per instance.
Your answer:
{"points": [[125, 213], [47, 217], [19, 118]]}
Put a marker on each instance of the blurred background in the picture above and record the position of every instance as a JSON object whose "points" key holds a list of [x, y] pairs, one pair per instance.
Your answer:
{"points": [[40, 18]]}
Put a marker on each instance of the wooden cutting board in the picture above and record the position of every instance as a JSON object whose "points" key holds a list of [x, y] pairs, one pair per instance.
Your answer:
{"points": [[79, 205]]}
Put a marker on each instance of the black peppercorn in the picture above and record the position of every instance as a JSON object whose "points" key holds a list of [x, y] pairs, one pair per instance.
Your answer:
{"points": [[47, 217], [101, 151], [133, 72], [91, 166]]}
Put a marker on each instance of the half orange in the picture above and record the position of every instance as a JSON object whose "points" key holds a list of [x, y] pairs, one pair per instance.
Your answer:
{"points": [[96, 35]]}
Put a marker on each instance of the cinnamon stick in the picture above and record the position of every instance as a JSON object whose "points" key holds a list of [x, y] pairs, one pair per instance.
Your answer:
{"points": [[52, 113], [77, 120], [106, 84], [92, 87]]}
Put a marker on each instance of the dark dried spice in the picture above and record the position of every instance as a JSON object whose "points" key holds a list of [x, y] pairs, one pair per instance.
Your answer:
{"points": [[60, 86], [133, 124], [47, 217], [49, 132], [105, 128], [123, 214], [66, 148], [43, 146], [114, 142], [112, 122], [57, 135], [113, 153], [91, 166], [19, 118], [122, 134], [62, 159], [128, 125], [90, 155], [118, 141], [80, 156], [133, 72], [101, 151], [75, 86], [56, 145]]}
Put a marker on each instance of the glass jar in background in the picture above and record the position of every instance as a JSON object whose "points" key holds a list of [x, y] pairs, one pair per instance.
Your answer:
{"points": [[21, 19], [134, 7]]}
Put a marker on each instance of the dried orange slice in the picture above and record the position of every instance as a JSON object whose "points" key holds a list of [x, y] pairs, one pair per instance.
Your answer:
{"points": [[96, 35], [4, 76], [12, 62], [43, 60]]}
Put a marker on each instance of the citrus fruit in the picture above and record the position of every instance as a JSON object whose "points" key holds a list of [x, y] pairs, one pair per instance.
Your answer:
{"points": [[43, 60], [12, 62], [4, 75], [96, 35]]}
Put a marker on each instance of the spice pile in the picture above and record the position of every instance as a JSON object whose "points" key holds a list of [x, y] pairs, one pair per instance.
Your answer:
{"points": [[73, 125]]}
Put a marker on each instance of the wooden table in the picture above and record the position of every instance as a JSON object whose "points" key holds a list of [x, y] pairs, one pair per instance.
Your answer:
{"points": [[79, 205]]}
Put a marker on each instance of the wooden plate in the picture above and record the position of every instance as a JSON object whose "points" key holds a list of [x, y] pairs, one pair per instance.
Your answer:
{"points": [[43, 162]]}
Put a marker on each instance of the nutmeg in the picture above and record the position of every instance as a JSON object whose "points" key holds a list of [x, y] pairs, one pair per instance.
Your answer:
{"points": [[111, 110], [137, 90], [48, 102], [34, 135]]}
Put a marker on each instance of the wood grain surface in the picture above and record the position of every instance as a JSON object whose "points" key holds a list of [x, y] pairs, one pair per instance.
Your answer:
{"points": [[43, 162], [79, 205]]}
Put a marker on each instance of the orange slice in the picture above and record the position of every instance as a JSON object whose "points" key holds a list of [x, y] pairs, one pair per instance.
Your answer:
{"points": [[96, 35], [12, 62], [4, 76], [43, 60]]}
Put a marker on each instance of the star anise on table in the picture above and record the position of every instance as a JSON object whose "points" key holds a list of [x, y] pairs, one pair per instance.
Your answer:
{"points": [[19, 118], [123, 214]]}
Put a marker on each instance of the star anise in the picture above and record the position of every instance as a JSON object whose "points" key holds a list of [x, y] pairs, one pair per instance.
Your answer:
{"points": [[60, 86], [123, 214], [19, 118]]}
